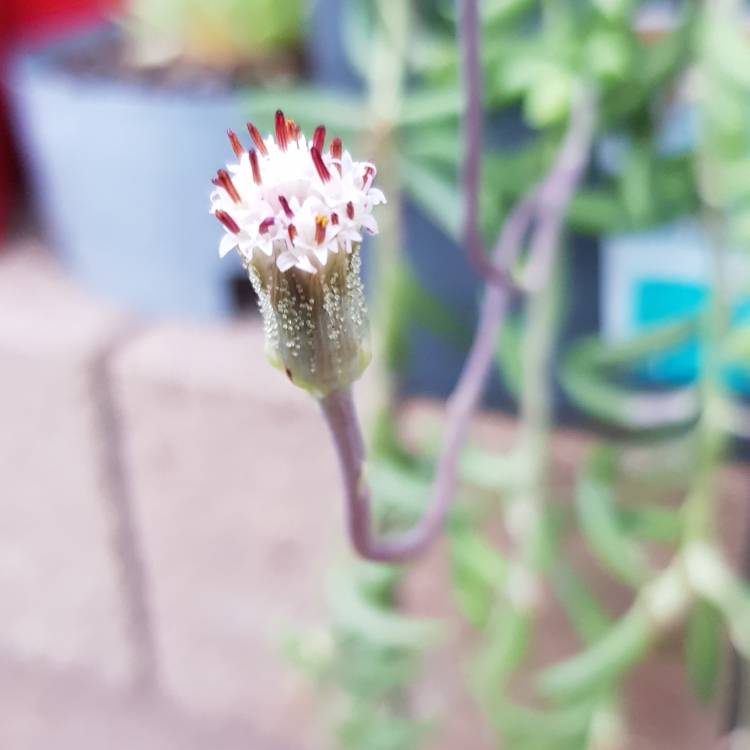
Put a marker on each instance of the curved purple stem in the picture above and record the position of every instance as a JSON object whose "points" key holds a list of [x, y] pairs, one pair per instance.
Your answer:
{"points": [[468, 28], [544, 207], [341, 416], [553, 193]]}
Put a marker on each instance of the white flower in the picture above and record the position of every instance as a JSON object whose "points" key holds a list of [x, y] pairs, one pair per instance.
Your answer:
{"points": [[295, 212], [292, 199]]}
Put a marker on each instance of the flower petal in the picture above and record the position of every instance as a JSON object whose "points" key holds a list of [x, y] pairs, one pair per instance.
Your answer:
{"points": [[227, 244]]}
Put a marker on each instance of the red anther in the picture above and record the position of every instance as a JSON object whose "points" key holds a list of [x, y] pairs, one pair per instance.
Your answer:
{"points": [[223, 180], [292, 232], [286, 207], [281, 134], [321, 222], [227, 221], [257, 179], [350, 210], [292, 129], [266, 224], [257, 139], [369, 172], [334, 218], [319, 138], [237, 147], [321, 168], [337, 148]]}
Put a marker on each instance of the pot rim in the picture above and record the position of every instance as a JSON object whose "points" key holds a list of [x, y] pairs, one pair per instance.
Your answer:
{"points": [[44, 58]]}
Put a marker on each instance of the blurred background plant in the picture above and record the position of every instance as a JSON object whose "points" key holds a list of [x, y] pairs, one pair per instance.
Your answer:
{"points": [[672, 144], [611, 551], [226, 34]]}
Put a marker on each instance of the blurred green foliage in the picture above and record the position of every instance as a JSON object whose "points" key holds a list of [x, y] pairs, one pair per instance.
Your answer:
{"points": [[222, 34], [535, 54]]}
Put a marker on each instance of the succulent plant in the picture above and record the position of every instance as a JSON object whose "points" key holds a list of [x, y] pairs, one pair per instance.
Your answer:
{"points": [[222, 34]]}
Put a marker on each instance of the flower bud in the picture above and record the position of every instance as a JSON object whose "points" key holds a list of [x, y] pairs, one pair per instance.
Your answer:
{"points": [[315, 323], [295, 213]]}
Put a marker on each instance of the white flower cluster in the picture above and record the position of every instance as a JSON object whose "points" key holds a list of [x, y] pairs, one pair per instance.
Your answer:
{"points": [[294, 200], [295, 211]]}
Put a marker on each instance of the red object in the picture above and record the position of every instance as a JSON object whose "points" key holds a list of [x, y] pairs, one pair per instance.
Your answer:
{"points": [[5, 142], [34, 17]]}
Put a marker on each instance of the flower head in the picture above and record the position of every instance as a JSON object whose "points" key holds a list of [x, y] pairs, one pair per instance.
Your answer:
{"points": [[295, 212]]}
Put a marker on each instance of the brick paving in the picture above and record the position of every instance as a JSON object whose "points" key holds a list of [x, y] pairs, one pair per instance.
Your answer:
{"points": [[47, 709], [160, 534]]}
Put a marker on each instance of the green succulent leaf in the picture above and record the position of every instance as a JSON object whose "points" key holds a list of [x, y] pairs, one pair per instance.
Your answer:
{"points": [[430, 107], [652, 523], [357, 614], [479, 574], [508, 356], [598, 667], [703, 647], [435, 194], [600, 521], [589, 619], [587, 379]]}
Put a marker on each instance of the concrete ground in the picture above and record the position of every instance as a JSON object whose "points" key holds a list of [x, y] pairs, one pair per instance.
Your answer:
{"points": [[67, 709], [159, 534]]}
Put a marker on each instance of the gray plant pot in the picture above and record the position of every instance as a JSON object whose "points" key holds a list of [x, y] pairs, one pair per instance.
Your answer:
{"points": [[121, 176]]}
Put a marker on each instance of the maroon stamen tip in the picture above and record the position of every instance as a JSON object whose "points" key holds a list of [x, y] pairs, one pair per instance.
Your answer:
{"points": [[319, 138], [266, 224], [237, 147], [320, 166], [227, 221], [334, 218], [369, 172], [281, 132], [350, 210], [321, 222], [292, 232], [255, 166], [337, 148], [257, 139], [286, 207], [223, 180]]}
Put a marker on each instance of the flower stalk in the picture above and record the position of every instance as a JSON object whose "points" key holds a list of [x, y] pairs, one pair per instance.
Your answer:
{"points": [[294, 212], [544, 209]]}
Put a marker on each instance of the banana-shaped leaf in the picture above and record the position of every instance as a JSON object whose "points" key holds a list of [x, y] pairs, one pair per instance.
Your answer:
{"points": [[479, 574], [430, 106], [736, 348], [508, 356], [590, 621], [357, 21], [652, 523], [598, 667], [586, 380], [504, 11], [703, 646], [507, 638], [397, 489], [434, 194], [355, 613], [600, 522], [492, 472], [559, 728]]}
